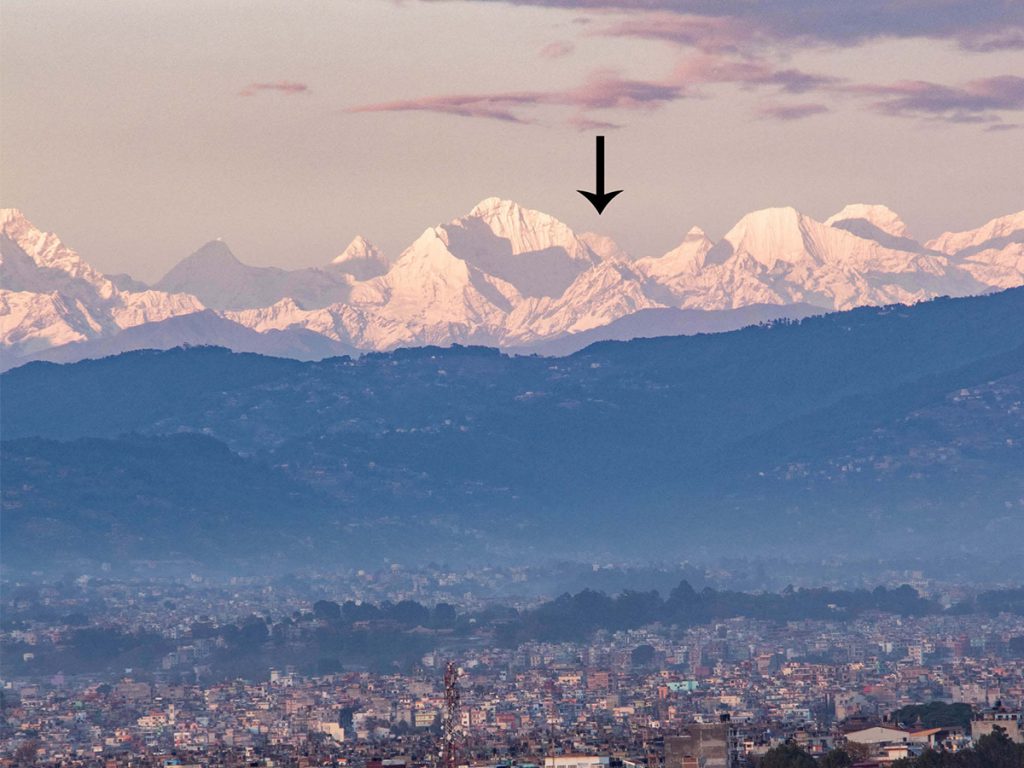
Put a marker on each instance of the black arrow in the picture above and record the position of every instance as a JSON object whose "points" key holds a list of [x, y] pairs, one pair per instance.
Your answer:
{"points": [[600, 198]]}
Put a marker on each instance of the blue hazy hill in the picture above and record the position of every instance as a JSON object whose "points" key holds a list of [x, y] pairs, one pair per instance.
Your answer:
{"points": [[875, 430]]}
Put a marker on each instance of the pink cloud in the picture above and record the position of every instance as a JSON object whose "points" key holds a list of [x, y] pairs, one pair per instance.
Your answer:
{"points": [[712, 35], [283, 86], [583, 123], [607, 90], [490, 106], [792, 111], [557, 49], [602, 90], [975, 102], [707, 68]]}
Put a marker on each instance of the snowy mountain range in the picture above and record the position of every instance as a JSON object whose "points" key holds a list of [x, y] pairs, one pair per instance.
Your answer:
{"points": [[503, 275]]}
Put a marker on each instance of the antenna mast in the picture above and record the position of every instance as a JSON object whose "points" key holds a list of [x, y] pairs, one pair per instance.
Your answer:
{"points": [[450, 719]]}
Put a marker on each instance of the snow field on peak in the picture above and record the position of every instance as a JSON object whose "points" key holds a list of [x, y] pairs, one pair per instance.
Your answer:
{"points": [[510, 276]]}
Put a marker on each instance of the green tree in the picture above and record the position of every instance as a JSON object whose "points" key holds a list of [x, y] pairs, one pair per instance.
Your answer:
{"points": [[787, 756], [328, 610], [997, 750], [836, 758], [936, 714], [642, 656], [25, 754]]}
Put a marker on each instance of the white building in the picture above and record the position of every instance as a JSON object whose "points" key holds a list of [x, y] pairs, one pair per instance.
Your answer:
{"points": [[576, 761]]}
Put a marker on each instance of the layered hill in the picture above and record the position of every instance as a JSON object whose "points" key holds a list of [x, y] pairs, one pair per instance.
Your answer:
{"points": [[502, 275], [868, 432]]}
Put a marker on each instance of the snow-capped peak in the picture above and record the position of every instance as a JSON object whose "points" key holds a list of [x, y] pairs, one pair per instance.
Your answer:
{"points": [[604, 247], [49, 252], [11, 216], [505, 274], [694, 247], [359, 248], [1001, 227], [768, 235], [51, 296], [528, 230], [780, 218], [880, 216], [687, 258], [490, 205], [361, 259]]}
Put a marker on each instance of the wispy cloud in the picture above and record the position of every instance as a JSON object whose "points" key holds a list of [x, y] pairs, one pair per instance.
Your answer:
{"points": [[1008, 39], [602, 90], [583, 123], [749, 73], [713, 35], [493, 106], [974, 24], [977, 101], [607, 90], [557, 49], [283, 86], [789, 112], [744, 44]]}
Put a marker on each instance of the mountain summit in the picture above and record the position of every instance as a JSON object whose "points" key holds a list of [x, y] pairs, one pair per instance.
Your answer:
{"points": [[879, 216], [510, 276], [223, 282], [51, 297], [361, 259]]}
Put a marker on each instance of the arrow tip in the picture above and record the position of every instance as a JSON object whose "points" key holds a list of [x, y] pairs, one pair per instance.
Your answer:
{"points": [[599, 200]]}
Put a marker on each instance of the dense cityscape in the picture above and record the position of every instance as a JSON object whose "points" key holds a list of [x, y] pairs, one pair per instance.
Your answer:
{"points": [[127, 671]]}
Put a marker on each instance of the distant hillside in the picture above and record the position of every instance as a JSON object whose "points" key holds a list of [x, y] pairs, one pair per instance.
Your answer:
{"points": [[896, 429], [200, 329]]}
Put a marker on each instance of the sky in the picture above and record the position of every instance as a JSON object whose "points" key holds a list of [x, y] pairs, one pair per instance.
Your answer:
{"points": [[139, 131]]}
